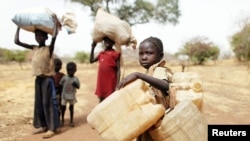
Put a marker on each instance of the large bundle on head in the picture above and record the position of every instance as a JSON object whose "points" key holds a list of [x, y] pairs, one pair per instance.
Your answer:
{"points": [[114, 28], [42, 18]]}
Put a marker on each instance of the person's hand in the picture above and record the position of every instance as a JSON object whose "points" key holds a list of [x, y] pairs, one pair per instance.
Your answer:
{"points": [[128, 79], [54, 17], [74, 84]]}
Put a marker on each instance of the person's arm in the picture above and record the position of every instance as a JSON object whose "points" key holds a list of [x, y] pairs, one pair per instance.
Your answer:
{"points": [[54, 35], [76, 83], [18, 42], [118, 73], [92, 59], [160, 84], [61, 82]]}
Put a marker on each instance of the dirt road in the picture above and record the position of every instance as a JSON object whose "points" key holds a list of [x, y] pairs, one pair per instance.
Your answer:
{"points": [[226, 100]]}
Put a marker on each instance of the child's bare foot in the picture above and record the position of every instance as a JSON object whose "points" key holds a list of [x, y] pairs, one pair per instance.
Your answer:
{"points": [[39, 130]]}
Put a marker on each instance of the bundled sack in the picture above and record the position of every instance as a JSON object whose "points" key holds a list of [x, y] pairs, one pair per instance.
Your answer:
{"points": [[114, 28], [41, 18], [126, 113], [68, 21], [188, 87], [184, 123]]}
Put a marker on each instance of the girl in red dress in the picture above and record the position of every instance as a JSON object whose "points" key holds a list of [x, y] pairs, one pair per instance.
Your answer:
{"points": [[109, 69]]}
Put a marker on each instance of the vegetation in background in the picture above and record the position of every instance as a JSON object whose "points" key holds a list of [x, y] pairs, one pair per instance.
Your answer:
{"points": [[137, 11], [199, 49], [82, 57], [240, 43], [19, 56]]}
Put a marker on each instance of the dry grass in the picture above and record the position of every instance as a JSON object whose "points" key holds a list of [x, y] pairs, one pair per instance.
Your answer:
{"points": [[226, 98]]}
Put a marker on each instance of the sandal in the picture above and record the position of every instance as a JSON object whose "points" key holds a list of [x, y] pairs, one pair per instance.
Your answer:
{"points": [[39, 130], [48, 134]]}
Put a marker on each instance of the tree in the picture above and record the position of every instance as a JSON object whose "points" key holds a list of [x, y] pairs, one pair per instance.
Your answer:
{"points": [[2, 55], [82, 57], [214, 52], [13, 55], [240, 43], [137, 11], [199, 49]]}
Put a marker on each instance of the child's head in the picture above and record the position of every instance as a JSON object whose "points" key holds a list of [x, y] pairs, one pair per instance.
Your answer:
{"points": [[41, 36], [58, 64], [150, 52], [71, 69], [108, 43]]}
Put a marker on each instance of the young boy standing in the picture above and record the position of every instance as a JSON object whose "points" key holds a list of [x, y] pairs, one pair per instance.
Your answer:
{"points": [[57, 77], [70, 84], [45, 106]]}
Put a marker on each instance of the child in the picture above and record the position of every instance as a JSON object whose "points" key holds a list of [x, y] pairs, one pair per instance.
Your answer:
{"points": [[70, 83], [109, 69], [158, 77], [57, 77], [45, 106]]}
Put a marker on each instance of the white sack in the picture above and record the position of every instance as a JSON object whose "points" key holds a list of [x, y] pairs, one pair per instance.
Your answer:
{"points": [[69, 22], [114, 28], [42, 18], [35, 18]]}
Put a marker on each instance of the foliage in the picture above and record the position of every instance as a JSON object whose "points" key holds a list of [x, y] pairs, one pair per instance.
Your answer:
{"points": [[1, 55], [13, 55], [82, 57], [199, 49], [137, 11], [19, 56], [240, 43]]}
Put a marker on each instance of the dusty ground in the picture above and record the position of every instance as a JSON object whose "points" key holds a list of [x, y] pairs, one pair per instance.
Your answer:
{"points": [[226, 100]]}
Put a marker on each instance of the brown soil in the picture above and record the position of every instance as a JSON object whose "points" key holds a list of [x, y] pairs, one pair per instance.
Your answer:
{"points": [[226, 100]]}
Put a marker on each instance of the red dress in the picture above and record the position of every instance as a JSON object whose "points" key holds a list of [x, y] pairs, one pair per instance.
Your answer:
{"points": [[107, 73]]}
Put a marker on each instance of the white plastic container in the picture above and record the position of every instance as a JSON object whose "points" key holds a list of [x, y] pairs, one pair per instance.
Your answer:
{"points": [[125, 114], [184, 123], [189, 87]]}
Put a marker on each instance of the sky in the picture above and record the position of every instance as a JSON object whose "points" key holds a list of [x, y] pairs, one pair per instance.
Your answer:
{"points": [[217, 20]]}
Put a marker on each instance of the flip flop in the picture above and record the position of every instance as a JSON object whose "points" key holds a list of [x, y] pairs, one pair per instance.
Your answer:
{"points": [[48, 134]]}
